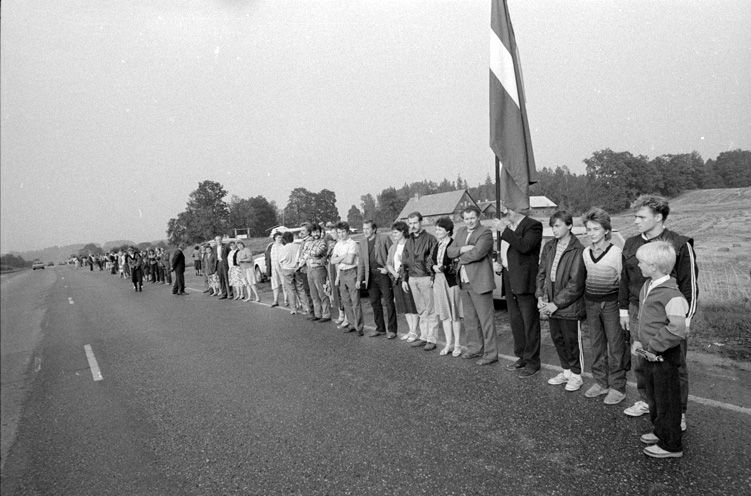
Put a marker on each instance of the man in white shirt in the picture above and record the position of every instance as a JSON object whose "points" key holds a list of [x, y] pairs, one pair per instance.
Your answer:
{"points": [[345, 258]]}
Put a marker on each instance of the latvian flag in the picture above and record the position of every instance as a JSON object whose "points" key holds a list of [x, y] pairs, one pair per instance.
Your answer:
{"points": [[509, 129]]}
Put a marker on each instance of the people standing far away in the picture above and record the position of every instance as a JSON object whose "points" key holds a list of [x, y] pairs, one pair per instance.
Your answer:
{"points": [[196, 255], [346, 258], [560, 298], [603, 261], [650, 215], [417, 278], [177, 266], [374, 251], [222, 268], [520, 252], [473, 247]]}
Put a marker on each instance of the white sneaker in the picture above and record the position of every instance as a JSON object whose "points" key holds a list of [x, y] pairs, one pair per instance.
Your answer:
{"points": [[683, 422], [637, 409], [574, 383], [559, 379], [411, 339], [595, 391]]}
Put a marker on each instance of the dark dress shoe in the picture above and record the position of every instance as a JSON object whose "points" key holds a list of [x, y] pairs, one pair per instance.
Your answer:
{"points": [[390, 335], [429, 347], [360, 333], [375, 334], [314, 318], [325, 319], [472, 355], [222, 297], [274, 305], [516, 365], [486, 361], [525, 372], [418, 344], [351, 329]]}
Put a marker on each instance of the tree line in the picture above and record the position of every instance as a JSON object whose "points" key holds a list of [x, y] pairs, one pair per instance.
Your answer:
{"points": [[612, 180]]}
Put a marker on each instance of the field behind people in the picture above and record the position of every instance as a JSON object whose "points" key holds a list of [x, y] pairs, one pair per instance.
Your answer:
{"points": [[719, 220]]}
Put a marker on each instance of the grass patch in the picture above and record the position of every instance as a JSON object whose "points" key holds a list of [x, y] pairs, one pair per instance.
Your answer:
{"points": [[722, 329]]}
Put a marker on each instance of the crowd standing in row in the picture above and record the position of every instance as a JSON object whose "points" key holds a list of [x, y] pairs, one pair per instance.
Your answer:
{"points": [[638, 301], [154, 265]]}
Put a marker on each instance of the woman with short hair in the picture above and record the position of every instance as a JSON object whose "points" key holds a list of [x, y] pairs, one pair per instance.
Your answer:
{"points": [[560, 297], [234, 273], [403, 300], [446, 296], [245, 261], [603, 261]]}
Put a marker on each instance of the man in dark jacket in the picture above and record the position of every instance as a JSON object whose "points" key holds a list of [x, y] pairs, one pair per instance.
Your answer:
{"points": [[650, 215], [374, 251], [520, 253], [178, 267], [222, 268]]}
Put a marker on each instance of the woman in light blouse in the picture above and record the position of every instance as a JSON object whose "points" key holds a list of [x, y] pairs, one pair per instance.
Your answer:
{"points": [[245, 261], [235, 274], [446, 296], [405, 304]]}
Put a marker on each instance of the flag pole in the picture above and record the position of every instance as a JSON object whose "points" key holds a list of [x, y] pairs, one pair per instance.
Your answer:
{"points": [[498, 199]]}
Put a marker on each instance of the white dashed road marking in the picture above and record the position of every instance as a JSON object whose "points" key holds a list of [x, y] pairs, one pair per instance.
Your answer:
{"points": [[70, 300], [93, 365]]}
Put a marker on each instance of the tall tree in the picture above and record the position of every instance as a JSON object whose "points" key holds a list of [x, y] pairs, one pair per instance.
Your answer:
{"points": [[205, 216], [734, 167], [325, 207], [369, 208], [354, 217], [390, 204], [300, 207]]}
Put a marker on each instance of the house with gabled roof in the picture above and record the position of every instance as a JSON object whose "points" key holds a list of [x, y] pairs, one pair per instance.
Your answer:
{"points": [[539, 206], [432, 207]]}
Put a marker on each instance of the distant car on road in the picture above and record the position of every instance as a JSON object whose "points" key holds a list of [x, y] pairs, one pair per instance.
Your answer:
{"points": [[37, 264]]}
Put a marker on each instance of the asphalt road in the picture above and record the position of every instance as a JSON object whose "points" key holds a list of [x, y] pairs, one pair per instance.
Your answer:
{"points": [[208, 397]]}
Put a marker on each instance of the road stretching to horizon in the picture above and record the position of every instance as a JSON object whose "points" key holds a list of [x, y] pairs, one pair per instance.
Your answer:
{"points": [[108, 391]]}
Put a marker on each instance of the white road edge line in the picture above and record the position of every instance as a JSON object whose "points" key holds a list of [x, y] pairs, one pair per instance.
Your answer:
{"points": [[93, 365], [691, 397]]}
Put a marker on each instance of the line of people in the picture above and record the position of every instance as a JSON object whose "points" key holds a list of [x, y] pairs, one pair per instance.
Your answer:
{"points": [[153, 265], [445, 282]]}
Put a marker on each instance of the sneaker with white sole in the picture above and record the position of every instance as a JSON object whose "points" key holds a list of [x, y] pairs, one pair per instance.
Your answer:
{"points": [[683, 422], [656, 452], [614, 397], [637, 409], [575, 382], [649, 438], [595, 391], [561, 378]]}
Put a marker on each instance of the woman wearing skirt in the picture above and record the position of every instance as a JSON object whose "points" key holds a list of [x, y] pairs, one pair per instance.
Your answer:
{"points": [[448, 305], [403, 300]]}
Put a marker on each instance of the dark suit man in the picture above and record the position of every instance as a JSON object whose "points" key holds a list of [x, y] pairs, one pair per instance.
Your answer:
{"points": [[520, 255], [374, 251], [473, 246], [222, 267], [178, 267]]}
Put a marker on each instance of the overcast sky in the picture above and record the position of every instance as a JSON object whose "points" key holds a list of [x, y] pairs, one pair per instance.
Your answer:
{"points": [[113, 112]]}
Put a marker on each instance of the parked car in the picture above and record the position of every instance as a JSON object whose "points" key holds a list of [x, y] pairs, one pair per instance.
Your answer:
{"points": [[37, 264]]}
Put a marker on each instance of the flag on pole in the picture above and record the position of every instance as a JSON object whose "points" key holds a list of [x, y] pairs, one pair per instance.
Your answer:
{"points": [[509, 129]]}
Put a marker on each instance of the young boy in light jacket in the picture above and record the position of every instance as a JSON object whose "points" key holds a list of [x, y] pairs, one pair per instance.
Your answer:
{"points": [[662, 327]]}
